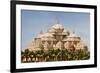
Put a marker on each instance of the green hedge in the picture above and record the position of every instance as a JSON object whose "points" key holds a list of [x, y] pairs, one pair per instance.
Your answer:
{"points": [[57, 55]]}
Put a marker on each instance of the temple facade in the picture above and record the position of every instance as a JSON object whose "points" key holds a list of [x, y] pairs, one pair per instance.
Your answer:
{"points": [[57, 37]]}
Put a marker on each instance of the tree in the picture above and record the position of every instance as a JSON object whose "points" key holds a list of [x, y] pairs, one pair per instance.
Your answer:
{"points": [[55, 55]]}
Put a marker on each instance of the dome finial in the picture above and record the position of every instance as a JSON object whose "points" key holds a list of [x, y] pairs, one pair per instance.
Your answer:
{"points": [[41, 32], [57, 20]]}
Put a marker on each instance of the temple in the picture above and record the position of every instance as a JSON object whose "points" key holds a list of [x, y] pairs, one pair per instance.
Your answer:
{"points": [[57, 37]]}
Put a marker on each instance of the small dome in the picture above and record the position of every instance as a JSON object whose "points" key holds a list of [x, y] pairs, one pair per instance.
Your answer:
{"points": [[51, 30], [81, 45], [47, 35], [73, 35]]}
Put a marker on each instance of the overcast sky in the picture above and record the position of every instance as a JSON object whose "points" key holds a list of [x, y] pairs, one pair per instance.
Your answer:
{"points": [[35, 21]]}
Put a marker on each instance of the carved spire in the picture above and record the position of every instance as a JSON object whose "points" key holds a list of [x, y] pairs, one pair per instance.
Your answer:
{"points": [[41, 32], [57, 21]]}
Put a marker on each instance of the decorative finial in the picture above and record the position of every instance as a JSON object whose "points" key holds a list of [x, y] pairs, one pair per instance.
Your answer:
{"points": [[57, 20], [41, 32]]}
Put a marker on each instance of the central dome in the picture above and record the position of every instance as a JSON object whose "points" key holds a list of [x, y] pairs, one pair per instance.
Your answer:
{"points": [[57, 28]]}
